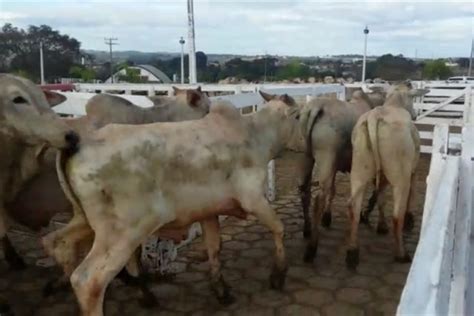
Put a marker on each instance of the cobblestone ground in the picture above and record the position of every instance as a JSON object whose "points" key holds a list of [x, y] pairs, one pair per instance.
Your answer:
{"points": [[324, 287]]}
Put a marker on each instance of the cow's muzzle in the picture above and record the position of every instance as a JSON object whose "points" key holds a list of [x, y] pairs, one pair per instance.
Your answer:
{"points": [[72, 142]]}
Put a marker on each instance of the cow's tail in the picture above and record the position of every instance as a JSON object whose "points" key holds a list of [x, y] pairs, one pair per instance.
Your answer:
{"points": [[61, 159], [308, 119], [372, 127]]}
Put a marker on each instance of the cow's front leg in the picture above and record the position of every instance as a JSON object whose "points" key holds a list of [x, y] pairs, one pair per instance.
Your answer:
{"points": [[11, 256], [210, 227]]}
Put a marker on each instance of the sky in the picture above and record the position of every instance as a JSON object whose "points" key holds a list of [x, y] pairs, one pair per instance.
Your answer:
{"points": [[429, 29]]}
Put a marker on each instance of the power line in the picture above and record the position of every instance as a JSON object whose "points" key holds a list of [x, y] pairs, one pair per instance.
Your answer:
{"points": [[111, 41]]}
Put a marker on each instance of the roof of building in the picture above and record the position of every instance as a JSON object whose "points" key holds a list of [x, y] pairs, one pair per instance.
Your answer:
{"points": [[156, 72]]}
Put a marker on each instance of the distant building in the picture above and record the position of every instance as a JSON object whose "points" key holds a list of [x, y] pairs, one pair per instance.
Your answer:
{"points": [[148, 73]]}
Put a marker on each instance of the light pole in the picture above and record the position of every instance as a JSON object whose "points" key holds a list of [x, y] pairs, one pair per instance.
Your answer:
{"points": [[366, 32], [181, 41], [191, 44], [470, 58], [41, 63]]}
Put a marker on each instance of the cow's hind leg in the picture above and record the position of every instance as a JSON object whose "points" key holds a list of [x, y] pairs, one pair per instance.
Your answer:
{"points": [[329, 193], [365, 215], [260, 207], [326, 175], [363, 171], [134, 275], [305, 192], [213, 243], [409, 221], [400, 196], [358, 187]]}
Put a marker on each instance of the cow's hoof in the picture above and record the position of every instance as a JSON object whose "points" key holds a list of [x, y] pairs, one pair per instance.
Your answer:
{"points": [[222, 292], [364, 218], [15, 262], [277, 278], [310, 252], [352, 258], [409, 222], [403, 259], [382, 228], [306, 231], [327, 219], [227, 299], [5, 309], [148, 301]]}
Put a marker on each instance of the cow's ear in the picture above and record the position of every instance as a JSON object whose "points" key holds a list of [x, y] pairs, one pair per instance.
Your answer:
{"points": [[54, 98], [266, 96], [193, 97], [285, 98], [176, 90]]}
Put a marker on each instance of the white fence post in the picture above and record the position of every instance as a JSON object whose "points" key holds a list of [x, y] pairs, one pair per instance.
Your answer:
{"points": [[463, 217], [468, 115]]}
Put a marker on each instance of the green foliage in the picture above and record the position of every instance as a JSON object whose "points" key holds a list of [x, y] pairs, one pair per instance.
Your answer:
{"points": [[391, 67], [293, 70], [131, 75], [19, 51], [86, 74], [436, 69], [22, 73]]}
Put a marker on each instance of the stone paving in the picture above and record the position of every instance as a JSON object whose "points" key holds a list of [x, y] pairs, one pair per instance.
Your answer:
{"points": [[324, 287]]}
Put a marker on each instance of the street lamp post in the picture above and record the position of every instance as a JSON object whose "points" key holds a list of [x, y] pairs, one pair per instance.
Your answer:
{"points": [[182, 41], [41, 63], [191, 44], [366, 32]]}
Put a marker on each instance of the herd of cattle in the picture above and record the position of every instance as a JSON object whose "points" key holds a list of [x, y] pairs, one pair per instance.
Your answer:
{"points": [[126, 173]]}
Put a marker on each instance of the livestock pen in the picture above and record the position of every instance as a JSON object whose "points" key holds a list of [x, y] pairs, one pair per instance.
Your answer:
{"points": [[438, 279]]}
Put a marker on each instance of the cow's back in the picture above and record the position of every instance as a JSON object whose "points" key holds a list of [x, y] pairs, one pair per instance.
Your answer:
{"points": [[104, 109]]}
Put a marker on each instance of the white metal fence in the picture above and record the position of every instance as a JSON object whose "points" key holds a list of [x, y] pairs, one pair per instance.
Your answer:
{"points": [[440, 281]]}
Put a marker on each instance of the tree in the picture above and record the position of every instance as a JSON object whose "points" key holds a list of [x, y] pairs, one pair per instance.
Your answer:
{"points": [[391, 67], [131, 75], [19, 51], [85, 74], [293, 70], [436, 69]]}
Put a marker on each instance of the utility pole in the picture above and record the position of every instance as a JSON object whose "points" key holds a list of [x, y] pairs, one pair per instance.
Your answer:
{"points": [[191, 44], [182, 41], [470, 59], [366, 32], [41, 63], [111, 41]]}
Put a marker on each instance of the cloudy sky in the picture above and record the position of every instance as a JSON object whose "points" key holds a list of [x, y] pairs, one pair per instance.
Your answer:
{"points": [[284, 27]]}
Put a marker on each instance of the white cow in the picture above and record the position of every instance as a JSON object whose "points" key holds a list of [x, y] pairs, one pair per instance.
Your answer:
{"points": [[27, 124], [128, 182], [386, 146]]}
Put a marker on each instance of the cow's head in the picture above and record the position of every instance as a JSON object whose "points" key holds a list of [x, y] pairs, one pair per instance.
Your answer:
{"points": [[26, 115], [286, 113], [403, 95], [195, 102]]}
